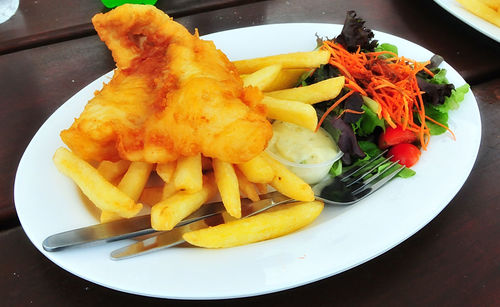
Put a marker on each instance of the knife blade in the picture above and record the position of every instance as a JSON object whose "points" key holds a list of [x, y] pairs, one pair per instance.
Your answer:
{"points": [[171, 238], [120, 229]]}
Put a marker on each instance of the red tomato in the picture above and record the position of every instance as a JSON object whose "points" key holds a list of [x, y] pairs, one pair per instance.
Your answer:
{"points": [[394, 136], [407, 154]]}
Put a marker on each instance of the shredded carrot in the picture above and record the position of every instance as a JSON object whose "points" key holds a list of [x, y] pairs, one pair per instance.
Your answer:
{"points": [[349, 111], [441, 125], [391, 82], [333, 106], [354, 86]]}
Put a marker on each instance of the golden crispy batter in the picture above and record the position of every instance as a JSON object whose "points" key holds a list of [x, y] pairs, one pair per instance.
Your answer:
{"points": [[172, 95]]}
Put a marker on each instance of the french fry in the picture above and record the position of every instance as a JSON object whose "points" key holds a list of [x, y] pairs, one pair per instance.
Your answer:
{"points": [[247, 187], [134, 180], [257, 170], [100, 191], [132, 184], [275, 222], [261, 188], [494, 4], [288, 183], [291, 111], [166, 170], [113, 170], [169, 212], [263, 77], [287, 78], [310, 59], [188, 175], [227, 183], [481, 10], [168, 190], [109, 216], [314, 93]]}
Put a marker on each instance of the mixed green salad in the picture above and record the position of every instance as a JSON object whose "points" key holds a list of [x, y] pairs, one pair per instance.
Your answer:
{"points": [[388, 102]]}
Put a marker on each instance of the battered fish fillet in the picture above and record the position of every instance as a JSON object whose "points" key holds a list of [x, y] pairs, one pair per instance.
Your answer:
{"points": [[171, 95]]}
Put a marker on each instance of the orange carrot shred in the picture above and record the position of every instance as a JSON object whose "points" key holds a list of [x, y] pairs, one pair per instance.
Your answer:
{"points": [[333, 106], [391, 82], [349, 111]]}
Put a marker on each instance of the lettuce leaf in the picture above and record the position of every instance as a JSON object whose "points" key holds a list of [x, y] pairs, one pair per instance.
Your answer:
{"points": [[434, 93], [354, 34], [345, 138], [387, 47], [453, 101], [439, 77], [439, 113], [336, 168], [354, 103], [441, 117], [368, 122]]}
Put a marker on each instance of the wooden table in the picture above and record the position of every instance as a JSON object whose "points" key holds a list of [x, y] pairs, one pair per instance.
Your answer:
{"points": [[454, 260]]}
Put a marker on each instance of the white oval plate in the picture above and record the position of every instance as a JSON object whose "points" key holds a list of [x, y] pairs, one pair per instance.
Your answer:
{"points": [[47, 202]]}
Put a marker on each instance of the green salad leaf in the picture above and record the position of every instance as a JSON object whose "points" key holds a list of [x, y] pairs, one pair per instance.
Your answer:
{"points": [[368, 122], [439, 78], [387, 47], [439, 113], [453, 101], [336, 168]]}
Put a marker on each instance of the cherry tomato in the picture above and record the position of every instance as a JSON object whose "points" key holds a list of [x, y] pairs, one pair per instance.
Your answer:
{"points": [[394, 136], [407, 154]]}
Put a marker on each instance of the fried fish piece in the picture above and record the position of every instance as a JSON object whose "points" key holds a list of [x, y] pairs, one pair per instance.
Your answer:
{"points": [[172, 95]]}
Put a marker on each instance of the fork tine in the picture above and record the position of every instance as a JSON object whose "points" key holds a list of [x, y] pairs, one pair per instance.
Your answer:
{"points": [[369, 171], [377, 185], [354, 171]]}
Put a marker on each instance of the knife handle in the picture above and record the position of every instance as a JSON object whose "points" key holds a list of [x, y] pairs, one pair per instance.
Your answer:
{"points": [[106, 232], [119, 230]]}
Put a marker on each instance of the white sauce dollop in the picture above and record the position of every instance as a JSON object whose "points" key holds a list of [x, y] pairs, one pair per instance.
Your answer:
{"points": [[306, 153]]}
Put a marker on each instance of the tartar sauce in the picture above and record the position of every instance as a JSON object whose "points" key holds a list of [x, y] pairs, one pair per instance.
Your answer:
{"points": [[309, 154]]}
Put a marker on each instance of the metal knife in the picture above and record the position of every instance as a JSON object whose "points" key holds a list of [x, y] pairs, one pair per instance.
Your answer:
{"points": [[166, 239], [120, 230]]}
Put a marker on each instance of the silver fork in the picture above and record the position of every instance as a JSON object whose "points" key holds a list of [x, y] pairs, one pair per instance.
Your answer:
{"points": [[357, 183]]}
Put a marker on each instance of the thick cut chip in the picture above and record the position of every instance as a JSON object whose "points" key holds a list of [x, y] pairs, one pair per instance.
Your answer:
{"points": [[314, 93], [132, 184], [113, 170], [273, 223], [257, 170], [135, 179], [166, 170], [288, 183], [310, 59], [262, 78], [188, 175], [100, 191], [227, 183], [291, 111], [287, 78], [484, 10], [248, 188], [169, 212]]}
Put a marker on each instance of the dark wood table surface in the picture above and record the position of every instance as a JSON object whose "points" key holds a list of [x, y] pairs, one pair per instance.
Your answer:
{"points": [[49, 53]]}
